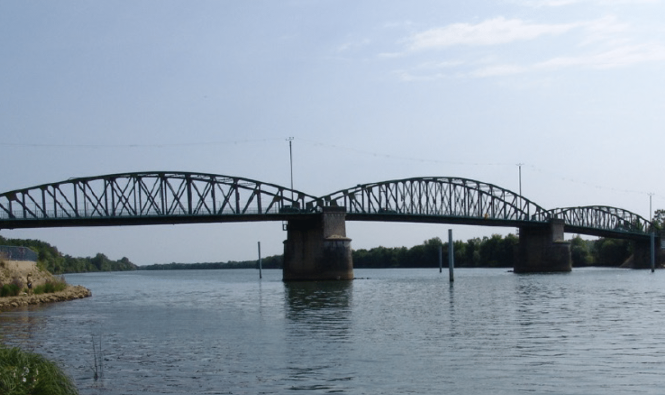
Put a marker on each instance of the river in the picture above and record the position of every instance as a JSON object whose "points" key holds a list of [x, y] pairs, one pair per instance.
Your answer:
{"points": [[591, 331]]}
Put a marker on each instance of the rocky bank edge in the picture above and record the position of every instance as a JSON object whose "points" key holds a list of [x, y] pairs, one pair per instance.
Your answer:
{"points": [[21, 270], [70, 293]]}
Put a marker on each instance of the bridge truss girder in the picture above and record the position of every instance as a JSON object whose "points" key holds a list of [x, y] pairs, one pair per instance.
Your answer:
{"points": [[436, 199], [604, 221], [147, 198], [181, 197]]}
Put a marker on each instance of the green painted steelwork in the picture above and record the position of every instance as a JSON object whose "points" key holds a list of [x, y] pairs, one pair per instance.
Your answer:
{"points": [[183, 197]]}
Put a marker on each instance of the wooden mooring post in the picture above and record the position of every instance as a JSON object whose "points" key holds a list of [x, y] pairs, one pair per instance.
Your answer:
{"points": [[451, 256], [260, 262], [653, 252]]}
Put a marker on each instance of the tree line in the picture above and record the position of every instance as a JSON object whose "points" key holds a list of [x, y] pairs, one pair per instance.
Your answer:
{"points": [[49, 258], [494, 251], [270, 262]]}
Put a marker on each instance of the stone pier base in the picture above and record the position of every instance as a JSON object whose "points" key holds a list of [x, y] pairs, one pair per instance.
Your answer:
{"points": [[318, 249], [543, 249]]}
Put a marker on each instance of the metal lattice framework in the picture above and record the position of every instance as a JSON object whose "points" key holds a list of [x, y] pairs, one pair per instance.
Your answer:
{"points": [[180, 197], [150, 197], [600, 220], [437, 198]]}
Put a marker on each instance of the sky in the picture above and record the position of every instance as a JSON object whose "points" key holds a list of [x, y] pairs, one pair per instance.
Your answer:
{"points": [[369, 91]]}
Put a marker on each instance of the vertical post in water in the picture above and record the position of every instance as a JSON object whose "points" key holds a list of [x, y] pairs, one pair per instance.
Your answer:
{"points": [[451, 256], [440, 258], [260, 262], [653, 252]]}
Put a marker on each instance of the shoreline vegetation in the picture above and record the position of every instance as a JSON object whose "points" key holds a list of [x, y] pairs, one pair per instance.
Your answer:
{"points": [[71, 292], [23, 372], [24, 283], [52, 260], [495, 251]]}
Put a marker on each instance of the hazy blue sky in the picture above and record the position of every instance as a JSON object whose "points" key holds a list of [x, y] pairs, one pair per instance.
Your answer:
{"points": [[370, 91]]}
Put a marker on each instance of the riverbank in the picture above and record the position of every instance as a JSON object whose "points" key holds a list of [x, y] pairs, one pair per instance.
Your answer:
{"points": [[24, 272], [69, 293]]}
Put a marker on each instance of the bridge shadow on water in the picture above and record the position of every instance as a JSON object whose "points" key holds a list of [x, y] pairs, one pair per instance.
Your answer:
{"points": [[319, 334], [319, 310], [318, 298]]}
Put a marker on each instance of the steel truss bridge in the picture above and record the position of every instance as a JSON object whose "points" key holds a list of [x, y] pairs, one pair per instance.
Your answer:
{"points": [[181, 197]]}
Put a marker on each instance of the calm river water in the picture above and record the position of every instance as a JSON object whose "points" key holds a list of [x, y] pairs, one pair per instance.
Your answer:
{"points": [[592, 331]]}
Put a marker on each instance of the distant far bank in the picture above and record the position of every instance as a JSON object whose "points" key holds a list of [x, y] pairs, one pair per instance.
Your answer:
{"points": [[488, 252], [494, 251], [272, 262]]}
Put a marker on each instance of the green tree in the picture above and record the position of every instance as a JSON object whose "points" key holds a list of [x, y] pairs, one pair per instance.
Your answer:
{"points": [[498, 251], [472, 252], [611, 252], [580, 252], [659, 219]]}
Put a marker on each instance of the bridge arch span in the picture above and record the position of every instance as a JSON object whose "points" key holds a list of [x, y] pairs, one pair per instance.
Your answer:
{"points": [[162, 197], [437, 199], [604, 221], [316, 230], [146, 198]]}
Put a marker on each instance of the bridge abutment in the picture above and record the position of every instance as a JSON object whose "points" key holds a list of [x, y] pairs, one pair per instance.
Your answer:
{"points": [[543, 249], [318, 249]]}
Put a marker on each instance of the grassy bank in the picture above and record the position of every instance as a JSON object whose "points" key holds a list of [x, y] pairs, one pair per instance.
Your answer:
{"points": [[16, 287], [28, 373]]}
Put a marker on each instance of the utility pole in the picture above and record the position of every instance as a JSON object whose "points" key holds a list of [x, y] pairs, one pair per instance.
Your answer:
{"points": [[653, 236], [519, 166], [290, 140]]}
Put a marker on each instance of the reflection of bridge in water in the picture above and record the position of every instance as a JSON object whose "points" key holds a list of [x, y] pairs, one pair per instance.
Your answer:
{"points": [[316, 245]]}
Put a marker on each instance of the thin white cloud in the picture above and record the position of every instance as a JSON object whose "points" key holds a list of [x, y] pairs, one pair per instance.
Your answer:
{"points": [[498, 70], [613, 58], [562, 3], [440, 65], [490, 32], [353, 45], [554, 3], [604, 29], [390, 55], [604, 43], [610, 59]]}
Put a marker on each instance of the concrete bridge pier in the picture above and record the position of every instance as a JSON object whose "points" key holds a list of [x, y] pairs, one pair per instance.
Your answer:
{"points": [[641, 257], [318, 249], [542, 249]]}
